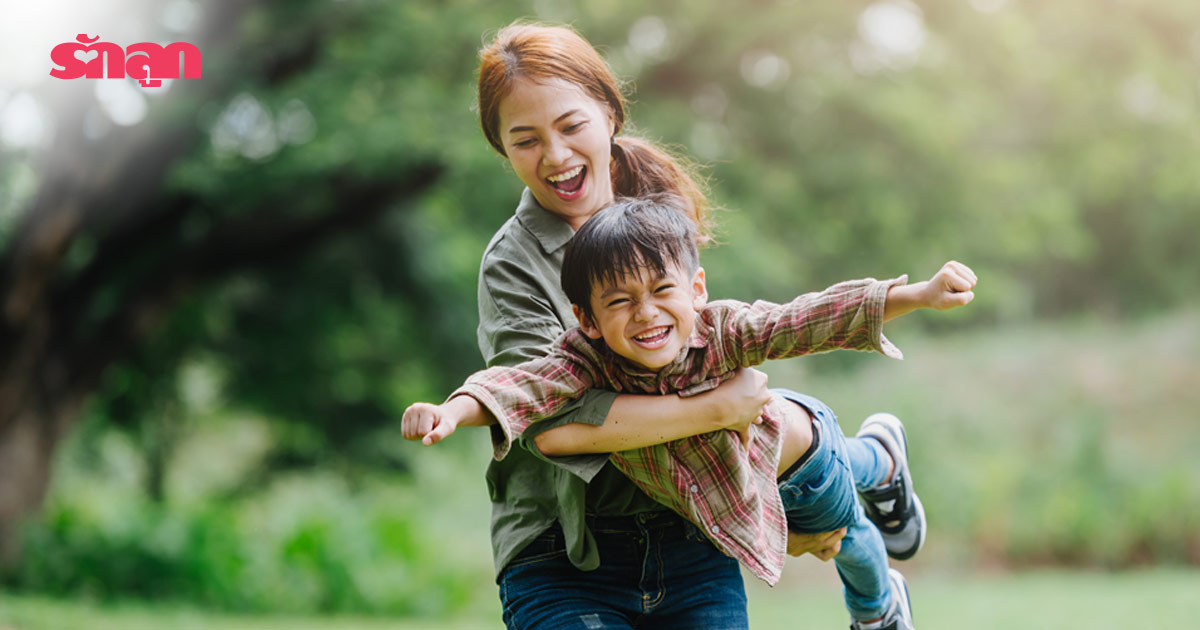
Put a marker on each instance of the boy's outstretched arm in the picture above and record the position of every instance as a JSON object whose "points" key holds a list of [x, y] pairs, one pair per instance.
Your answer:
{"points": [[433, 423], [950, 287]]}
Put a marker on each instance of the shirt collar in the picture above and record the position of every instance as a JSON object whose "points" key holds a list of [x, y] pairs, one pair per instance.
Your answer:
{"points": [[550, 230], [702, 332]]}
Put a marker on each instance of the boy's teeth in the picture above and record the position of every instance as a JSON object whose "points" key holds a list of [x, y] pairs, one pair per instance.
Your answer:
{"points": [[567, 175], [650, 334]]}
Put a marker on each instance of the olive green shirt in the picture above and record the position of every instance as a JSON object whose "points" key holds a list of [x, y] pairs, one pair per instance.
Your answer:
{"points": [[522, 309]]}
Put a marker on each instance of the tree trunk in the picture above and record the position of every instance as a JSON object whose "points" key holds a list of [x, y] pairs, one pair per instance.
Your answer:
{"points": [[27, 447], [51, 357]]}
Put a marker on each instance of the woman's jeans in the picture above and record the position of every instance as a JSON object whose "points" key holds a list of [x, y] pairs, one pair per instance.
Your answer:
{"points": [[656, 571], [820, 497]]}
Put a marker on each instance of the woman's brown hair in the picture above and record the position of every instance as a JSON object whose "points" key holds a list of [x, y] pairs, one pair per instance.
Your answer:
{"points": [[541, 52]]}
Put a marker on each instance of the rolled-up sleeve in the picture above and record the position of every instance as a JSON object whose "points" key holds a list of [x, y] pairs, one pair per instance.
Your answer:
{"points": [[847, 315]]}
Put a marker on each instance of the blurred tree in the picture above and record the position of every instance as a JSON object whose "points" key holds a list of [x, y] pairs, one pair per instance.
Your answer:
{"points": [[108, 248]]}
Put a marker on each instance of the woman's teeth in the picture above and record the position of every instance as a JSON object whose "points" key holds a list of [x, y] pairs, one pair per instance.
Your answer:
{"points": [[566, 175], [568, 181]]}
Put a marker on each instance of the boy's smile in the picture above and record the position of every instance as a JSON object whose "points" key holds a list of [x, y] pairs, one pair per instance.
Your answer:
{"points": [[644, 317]]}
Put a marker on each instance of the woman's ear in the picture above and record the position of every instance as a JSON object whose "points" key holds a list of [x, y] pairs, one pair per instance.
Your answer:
{"points": [[585, 323], [699, 289]]}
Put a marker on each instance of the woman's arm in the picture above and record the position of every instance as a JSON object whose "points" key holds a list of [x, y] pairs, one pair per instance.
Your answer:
{"points": [[635, 421]]}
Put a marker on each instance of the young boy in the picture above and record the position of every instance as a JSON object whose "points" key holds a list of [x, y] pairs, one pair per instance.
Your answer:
{"points": [[632, 273]]}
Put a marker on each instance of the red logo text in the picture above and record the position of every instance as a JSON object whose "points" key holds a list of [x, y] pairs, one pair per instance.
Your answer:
{"points": [[148, 63]]}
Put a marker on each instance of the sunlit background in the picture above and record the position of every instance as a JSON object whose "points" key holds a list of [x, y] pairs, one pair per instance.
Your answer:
{"points": [[219, 295]]}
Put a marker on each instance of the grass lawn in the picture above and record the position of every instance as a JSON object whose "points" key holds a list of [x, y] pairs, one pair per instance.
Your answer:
{"points": [[808, 597], [1050, 599]]}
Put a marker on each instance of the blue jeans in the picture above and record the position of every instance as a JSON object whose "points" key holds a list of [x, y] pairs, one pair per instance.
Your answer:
{"points": [[656, 571], [820, 496]]}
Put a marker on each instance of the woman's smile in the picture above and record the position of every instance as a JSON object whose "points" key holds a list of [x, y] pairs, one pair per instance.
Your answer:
{"points": [[569, 184], [559, 142]]}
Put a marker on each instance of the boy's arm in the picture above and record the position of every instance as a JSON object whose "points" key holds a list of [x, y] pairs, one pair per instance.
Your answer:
{"points": [[433, 423], [950, 287], [848, 315], [510, 397]]}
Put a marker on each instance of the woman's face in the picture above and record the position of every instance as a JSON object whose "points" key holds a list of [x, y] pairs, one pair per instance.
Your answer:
{"points": [[558, 140]]}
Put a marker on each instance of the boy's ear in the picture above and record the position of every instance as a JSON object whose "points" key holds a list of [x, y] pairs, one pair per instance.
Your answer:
{"points": [[699, 289], [585, 323]]}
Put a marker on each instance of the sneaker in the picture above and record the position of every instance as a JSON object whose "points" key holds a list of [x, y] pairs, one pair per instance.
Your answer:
{"points": [[899, 615], [894, 507]]}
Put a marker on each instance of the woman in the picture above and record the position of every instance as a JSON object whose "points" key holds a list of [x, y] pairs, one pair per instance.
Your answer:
{"points": [[575, 543]]}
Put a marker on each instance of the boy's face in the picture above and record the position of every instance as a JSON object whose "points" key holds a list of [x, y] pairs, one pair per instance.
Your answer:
{"points": [[645, 319]]}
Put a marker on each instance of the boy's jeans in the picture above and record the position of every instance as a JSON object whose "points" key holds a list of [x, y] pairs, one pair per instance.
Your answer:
{"points": [[820, 497], [656, 571]]}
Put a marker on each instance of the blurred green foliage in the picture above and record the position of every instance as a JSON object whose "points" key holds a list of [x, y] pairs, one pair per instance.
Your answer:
{"points": [[1050, 145], [313, 542], [1044, 444]]}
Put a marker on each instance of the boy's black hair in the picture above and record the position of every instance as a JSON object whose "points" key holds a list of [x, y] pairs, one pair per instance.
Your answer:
{"points": [[630, 236]]}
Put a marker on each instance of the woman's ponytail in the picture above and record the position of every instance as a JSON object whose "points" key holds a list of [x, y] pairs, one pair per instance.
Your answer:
{"points": [[641, 168]]}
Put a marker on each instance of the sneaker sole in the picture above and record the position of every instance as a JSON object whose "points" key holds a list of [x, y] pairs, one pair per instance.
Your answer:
{"points": [[901, 584], [892, 428], [920, 509]]}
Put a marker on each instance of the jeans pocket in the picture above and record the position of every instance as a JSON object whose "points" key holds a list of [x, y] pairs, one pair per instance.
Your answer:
{"points": [[812, 487], [547, 546], [693, 533]]}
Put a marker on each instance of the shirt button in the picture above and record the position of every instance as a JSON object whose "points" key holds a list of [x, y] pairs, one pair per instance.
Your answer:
{"points": [[695, 488], [715, 530]]}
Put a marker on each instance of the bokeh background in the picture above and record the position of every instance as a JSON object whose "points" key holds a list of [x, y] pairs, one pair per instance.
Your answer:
{"points": [[219, 295]]}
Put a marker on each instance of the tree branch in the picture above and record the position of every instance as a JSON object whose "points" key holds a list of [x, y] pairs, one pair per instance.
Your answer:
{"points": [[238, 245]]}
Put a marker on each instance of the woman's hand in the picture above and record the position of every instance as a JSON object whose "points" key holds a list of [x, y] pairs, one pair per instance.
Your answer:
{"points": [[823, 546], [740, 400]]}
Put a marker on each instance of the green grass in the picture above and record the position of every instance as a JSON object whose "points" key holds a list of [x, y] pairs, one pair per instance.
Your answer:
{"points": [[808, 597], [1050, 599], [39, 613]]}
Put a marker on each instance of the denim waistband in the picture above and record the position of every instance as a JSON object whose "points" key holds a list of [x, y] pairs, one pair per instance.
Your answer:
{"points": [[633, 522], [822, 419], [803, 459]]}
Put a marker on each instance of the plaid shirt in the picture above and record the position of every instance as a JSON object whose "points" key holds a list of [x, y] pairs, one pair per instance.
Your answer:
{"points": [[726, 489]]}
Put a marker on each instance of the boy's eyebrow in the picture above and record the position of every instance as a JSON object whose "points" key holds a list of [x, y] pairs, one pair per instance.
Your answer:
{"points": [[519, 128], [609, 290]]}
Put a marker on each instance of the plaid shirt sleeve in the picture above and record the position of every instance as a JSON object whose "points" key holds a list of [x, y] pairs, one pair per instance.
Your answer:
{"points": [[847, 315], [535, 390]]}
